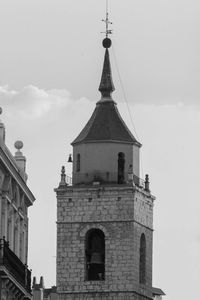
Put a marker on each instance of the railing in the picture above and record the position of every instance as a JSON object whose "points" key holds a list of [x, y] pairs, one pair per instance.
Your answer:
{"points": [[97, 178], [14, 265], [68, 180]]}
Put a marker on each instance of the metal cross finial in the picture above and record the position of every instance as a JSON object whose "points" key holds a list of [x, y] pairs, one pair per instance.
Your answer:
{"points": [[108, 31]]}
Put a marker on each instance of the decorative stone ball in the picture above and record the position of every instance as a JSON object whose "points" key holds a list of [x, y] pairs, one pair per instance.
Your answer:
{"points": [[19, 145], [1, 110], [106, 43]]}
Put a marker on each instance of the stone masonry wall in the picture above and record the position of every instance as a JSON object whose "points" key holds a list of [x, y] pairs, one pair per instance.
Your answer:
{"points": [[143, 214], [103, 296], [115, 211]]}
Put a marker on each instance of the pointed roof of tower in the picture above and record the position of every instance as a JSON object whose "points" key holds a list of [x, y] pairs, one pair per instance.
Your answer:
{"points": [[106, 124], [106, 86]]}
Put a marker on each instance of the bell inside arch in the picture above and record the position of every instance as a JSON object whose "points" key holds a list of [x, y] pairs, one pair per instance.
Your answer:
{"points": [[70, 158], [96, 258]]}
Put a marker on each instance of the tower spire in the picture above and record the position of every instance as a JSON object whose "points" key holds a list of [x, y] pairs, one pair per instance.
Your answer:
{"points": [[106, 86]]}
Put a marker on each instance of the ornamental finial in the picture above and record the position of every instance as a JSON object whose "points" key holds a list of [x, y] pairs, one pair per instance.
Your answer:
{"points": [[18, 145], [107, 42], [63, 177], [106, 85]]}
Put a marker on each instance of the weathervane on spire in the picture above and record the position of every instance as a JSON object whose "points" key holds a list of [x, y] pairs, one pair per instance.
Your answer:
{"points": [[107, 41]]}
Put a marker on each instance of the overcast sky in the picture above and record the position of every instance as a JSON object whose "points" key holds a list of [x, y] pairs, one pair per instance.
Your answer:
{"points": [[50, 67]]}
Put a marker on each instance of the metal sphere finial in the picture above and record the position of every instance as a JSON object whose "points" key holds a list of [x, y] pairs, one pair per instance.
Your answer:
{"points": [[107, 43]]}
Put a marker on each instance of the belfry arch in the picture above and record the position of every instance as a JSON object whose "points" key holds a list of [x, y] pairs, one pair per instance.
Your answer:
{"points": [[95, 254]]}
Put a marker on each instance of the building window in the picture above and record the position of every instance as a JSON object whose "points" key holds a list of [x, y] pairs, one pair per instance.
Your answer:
{"points": [[78, 163], [95, 255], [9, 232], [22, 245], [16, 240], [121, 165], [142, 269]]}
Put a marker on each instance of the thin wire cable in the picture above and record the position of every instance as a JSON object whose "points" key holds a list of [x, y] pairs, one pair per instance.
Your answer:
{"points": [[124, 93], [126, 101]]}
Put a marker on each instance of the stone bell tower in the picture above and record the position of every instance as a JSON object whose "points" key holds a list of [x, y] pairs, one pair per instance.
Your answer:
{"points": [[105, 216]]}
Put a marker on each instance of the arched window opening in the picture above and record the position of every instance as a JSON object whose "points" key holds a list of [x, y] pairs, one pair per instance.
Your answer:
{"points": [[121, 165], [95, 255], [78, 163], [142, 259]]}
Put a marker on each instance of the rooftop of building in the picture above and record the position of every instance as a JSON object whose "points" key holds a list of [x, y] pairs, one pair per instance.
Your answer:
{"points": [[157, 292], [106, 124]]}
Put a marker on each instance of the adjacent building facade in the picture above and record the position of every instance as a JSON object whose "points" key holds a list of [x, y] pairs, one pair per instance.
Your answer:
{"points": [[42, 293], [105, 217], [15, 199]]}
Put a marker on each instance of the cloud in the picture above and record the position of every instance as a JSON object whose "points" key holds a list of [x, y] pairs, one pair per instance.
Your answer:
{"points": [[32, 102]]}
